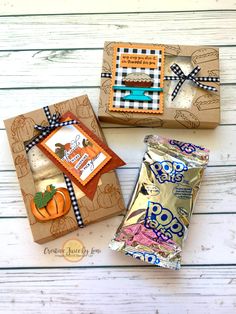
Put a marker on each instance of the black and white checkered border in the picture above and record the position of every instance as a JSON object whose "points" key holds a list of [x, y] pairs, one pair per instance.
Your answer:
{"points": [[47, 113], [107, 75], [74, 201], [207, 79], [199, 79], [206, 87], [177, 88], [120, 73]]}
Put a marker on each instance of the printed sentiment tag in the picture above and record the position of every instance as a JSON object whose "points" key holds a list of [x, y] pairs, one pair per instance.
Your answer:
{"points": [[76, 151], [137, 78], [80, 154], [138, 61]]}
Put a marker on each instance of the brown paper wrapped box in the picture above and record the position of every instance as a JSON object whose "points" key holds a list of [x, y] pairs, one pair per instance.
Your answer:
{"points": [[192, 108], [35, 171]]}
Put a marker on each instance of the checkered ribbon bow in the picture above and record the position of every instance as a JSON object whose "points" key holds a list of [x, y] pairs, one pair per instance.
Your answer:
{"points": [[53, 121], [192, 77], [45, 130]]}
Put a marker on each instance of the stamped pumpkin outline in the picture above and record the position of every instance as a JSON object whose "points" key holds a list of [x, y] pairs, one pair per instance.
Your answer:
{"points": [[59, 226], [105, 196], [21, 165], [22, 130], [83, 110], [27, 198]]}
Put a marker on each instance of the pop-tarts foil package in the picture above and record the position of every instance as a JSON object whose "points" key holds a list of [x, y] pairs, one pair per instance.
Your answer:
{"points": [[156, 224]]}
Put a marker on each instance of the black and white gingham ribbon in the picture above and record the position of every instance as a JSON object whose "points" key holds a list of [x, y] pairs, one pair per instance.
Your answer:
{"points": [[74, 201], [45, 130], [106, 74], [192, 77]]}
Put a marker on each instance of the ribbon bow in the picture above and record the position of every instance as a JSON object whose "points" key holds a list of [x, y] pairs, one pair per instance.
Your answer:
{"points": [[54, 122], [192, 77]]}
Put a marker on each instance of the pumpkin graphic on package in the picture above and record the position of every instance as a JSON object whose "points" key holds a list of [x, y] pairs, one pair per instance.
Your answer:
{"points": [[51, 204], [27, 200], [84, 110], [17, 147], [61, 226], [93, 125], [21, 166], [109, 197], [63, 107], [23, 128], [86, 205]]}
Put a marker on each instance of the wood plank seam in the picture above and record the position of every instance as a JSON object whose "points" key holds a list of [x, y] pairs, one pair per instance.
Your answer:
{"points": [[115, 13]]}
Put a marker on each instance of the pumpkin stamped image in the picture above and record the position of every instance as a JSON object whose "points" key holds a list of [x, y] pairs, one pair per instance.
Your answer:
{"points": [[21, 165], [51, 204], [22, 130], [109, 197]]}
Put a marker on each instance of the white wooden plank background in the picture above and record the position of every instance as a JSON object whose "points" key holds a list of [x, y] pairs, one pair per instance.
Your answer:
{"points": [[12, 7], [119, 290], [55, 56], [114, 290], [67, 31]]}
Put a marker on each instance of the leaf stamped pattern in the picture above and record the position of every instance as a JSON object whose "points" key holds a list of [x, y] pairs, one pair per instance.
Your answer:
{"points": [[41, 199]]}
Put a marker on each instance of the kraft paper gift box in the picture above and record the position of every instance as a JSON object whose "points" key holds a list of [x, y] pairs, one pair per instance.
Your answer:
{"points": [[157, 85], [35, 172]]}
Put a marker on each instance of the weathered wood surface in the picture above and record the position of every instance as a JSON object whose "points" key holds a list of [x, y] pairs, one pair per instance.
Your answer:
{"points": [[79, 6], [119, 290], [90, 31]]}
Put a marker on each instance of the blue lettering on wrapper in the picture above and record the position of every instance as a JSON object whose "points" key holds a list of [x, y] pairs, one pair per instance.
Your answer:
{"points": [[146, 257], [162, 222], [168, 171], [188, 148]]}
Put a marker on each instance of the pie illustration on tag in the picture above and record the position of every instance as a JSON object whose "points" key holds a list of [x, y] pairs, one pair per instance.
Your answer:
{"points": [[137, 78], [79, 153]]}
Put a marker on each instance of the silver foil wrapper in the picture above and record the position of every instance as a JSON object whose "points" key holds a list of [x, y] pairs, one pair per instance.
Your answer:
{"points": [[156, 224]]}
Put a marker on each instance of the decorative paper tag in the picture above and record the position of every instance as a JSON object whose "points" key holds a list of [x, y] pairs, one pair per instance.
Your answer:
{"points": [[138, 61], [137, 78], [80, 154]]}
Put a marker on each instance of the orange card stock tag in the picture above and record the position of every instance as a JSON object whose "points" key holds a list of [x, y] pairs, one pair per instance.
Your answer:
{"points": [[80, 154]]}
